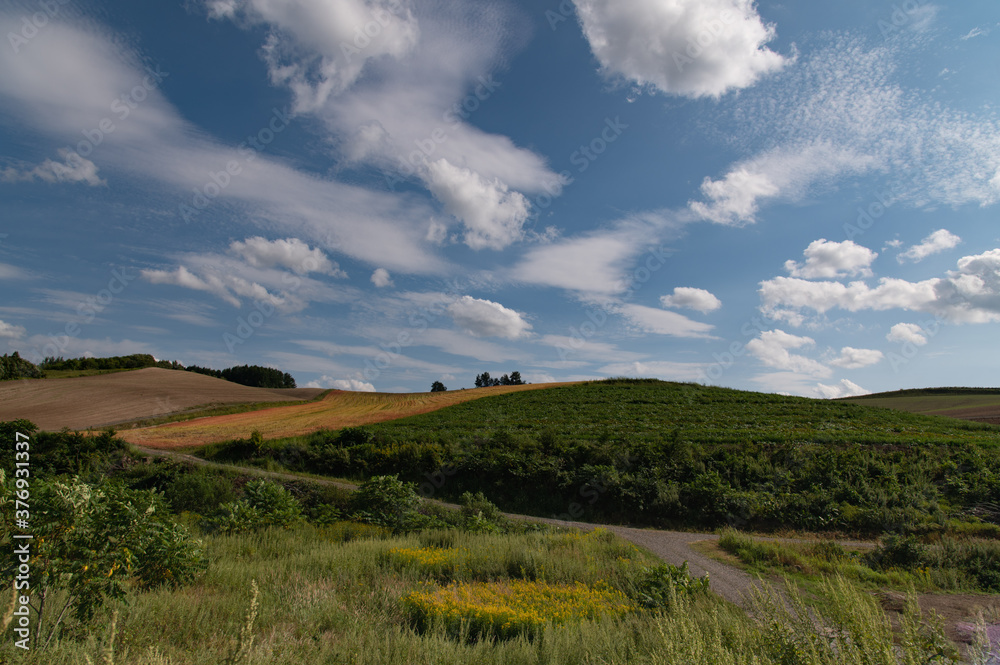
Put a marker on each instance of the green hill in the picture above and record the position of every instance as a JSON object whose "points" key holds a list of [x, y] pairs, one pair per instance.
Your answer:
{"points": [[675, 455]]}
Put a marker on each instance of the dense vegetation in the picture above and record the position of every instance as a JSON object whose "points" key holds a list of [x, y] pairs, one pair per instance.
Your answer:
{"points": [[134, 361], [13, 366], [247, 375], [677, 455], [484, 380]]}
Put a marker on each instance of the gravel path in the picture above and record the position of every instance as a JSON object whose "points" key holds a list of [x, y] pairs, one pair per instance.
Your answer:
{"points": [[672, 546]]}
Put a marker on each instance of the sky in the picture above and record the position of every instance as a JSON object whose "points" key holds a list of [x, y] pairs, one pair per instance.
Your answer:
{"points": [[790, 197]]}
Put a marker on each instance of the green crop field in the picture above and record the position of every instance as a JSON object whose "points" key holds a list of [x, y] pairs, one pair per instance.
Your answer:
{"points": [[679, 455]]}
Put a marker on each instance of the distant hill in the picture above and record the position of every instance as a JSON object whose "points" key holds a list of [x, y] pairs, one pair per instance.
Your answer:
{"points": [[97, 401], [975, 404]]}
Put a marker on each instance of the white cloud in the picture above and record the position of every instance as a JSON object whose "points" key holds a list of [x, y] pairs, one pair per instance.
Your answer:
{"points": [[851, 358], [341, 384], [658, 369], [662, 322], [290, 253], [772, 349], [938, 241], [845, 388], [907, 333], [8, 271], [697, 299], [493, 215], [10, 331], [844, 104], [970, 294], [785, 173], [826, 259], [381, 278], [695, 48], [73, 168], [485, 318], [972, 34], [319, 48]]}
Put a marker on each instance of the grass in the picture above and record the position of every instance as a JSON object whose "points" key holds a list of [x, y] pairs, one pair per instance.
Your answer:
{"points": [[334, 411], [947, 565], [73, 373], [304, 595]]}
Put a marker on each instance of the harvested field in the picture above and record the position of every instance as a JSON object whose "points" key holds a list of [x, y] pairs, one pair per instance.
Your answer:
{"points": [[983, 408], [336, 410], [110, 399]]}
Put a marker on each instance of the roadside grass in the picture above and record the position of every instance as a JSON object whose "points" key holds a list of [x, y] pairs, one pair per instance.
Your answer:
{"points": [[307, 595], [899, 564]]}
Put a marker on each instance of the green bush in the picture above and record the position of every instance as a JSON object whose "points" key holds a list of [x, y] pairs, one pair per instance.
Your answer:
{"points": [[386, 501], [264, 504], [660, 586], [198, 491]]}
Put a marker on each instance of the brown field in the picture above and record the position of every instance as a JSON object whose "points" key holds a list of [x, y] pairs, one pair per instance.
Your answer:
{"points": [[983, 408], [110, 399], [336, 410]]}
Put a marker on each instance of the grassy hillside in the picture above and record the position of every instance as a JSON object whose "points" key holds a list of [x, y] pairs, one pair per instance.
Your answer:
{"points": [[675, 455]]}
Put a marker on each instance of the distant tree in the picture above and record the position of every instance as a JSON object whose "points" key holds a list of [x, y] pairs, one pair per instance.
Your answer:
{"points": [[438, 387], [515, 379], [16, 367], [484, 380]]}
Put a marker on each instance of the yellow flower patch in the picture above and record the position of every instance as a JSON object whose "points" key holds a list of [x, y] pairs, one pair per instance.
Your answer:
{"points": [[507, 608]]}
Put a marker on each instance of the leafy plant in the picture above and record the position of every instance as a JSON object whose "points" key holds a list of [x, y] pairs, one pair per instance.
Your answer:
{"points": [[660, 586], [264, 504], [386, 501]]}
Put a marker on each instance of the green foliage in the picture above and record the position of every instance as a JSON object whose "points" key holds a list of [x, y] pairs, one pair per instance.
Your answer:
{"points": [[93, 541], [264, 504], [58, 453], [480, 515], [134, 361], [660, 586], [13, 367], [386, 501], [438, 387]]}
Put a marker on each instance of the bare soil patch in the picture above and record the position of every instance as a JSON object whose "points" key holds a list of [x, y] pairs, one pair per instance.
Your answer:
{"points": [[110, 399]]}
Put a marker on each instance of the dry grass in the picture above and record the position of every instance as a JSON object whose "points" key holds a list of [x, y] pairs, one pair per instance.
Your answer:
{"points": [[335, 411]]}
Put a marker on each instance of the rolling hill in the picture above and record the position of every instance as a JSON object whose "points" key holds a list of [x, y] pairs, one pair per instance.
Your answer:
{"points": [[110, 399], [975, 404]]}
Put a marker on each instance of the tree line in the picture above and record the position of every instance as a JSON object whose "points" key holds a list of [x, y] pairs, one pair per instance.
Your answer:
{"points": [[13, 366]]}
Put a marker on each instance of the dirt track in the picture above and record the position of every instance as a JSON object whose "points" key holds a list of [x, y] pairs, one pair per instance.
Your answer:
{"points": [[109, 399]]}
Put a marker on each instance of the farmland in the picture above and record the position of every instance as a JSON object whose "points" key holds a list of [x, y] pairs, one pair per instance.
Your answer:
{"points": [[335, 411], [112, 398], [975, 404]]}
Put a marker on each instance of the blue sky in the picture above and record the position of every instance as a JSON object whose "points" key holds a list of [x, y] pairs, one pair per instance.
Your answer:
{"points": [[790, 197]]}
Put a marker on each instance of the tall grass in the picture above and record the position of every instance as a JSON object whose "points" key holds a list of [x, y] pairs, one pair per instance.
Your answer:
{"points": [[319, 599]]}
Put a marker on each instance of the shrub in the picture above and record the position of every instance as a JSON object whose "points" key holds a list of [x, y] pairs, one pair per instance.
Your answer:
{"points": [[264, 504], [897, 551], [659, 586], [386, 501]]}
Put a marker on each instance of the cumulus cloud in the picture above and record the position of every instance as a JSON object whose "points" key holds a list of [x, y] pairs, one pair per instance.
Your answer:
{"points": [[907, 333], [662, 322], [319, 48], [772, 349], [691, 298], [970, 294], [784, 173], [290, 253], [341, 384], [10, 331], [493, 215], [851, 358], [72, 168], [826, 259], [694, 48], [381, 278], [845, 388], [485, 318], [939, 241]]}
